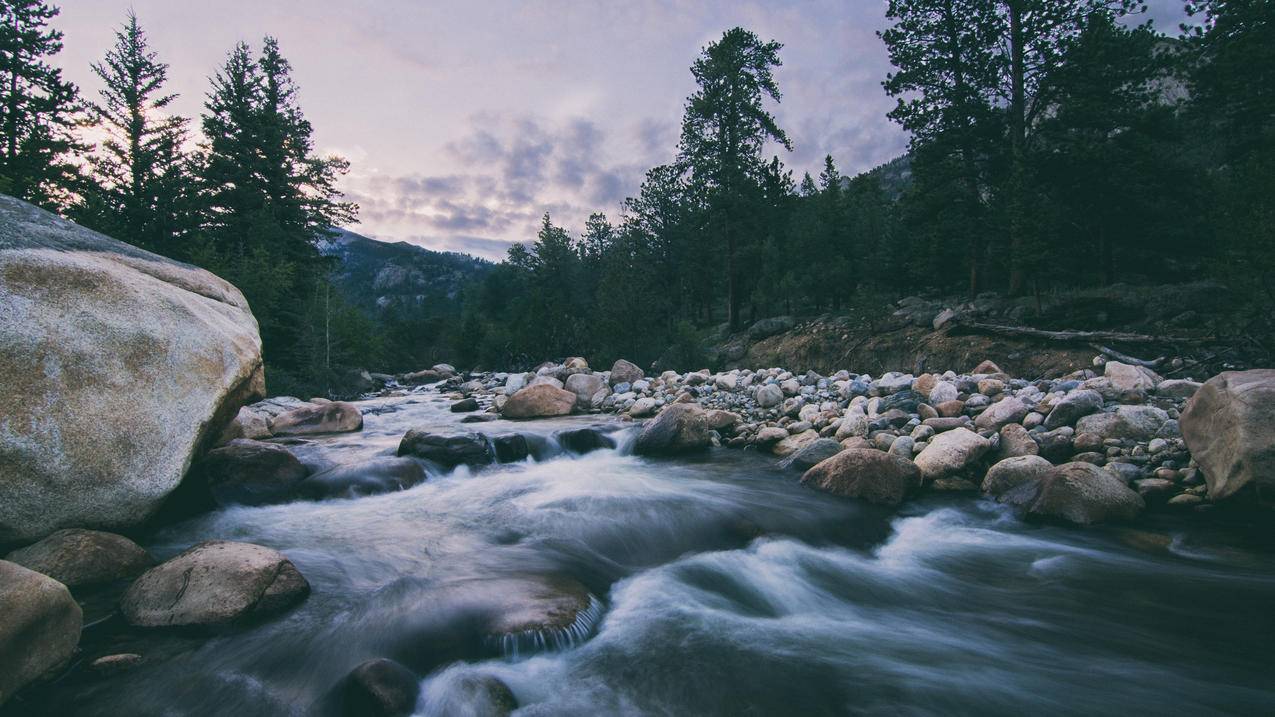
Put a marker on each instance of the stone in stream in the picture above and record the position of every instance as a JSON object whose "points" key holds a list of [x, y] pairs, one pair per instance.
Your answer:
{"points": [[370, 477], [539, 401], [951, 452], [1079, 493], [380, 688], [250, 472], [118, 366], [446, 447], [812, 454], [115, 664], [679, 428], [214, 584], [39, 627], [1229, 425], [465, 405], [865, 473], [510, 447], [332, 417], [76, 557], [583, 440], [1012, 472]]}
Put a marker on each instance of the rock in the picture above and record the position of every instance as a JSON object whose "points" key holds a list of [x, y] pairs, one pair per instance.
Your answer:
{"points": [[515, 382], [943, 318], [370, 477], [481, 696], [538, 401], [1056, 445], [575, 363], [812, 453], [584, 385], [951, 452], [544, 380], [794, 442], [115, 664], [893, 383], [941, 425], [726, 382], [854, 423], [1152, 488], [39, 626], [380, 688], [334, 417], [1073, 407], [77, 557], [1177, 388], [625, 372], [953, 485], [991, 386], [769, 396], [583, 440], [510, 447], [644, 407], [720, 420], [1079, 493], [1229, 427], [118, 367], [679, 428], [447, 447], [986, 368], [902, 447], [1015, 441], [905, 400], [770, 435], [1012, 472], [1004, 411], [1138, 423], [1185, 500], [246, 472], [950, 409], [465, 405], [769, 327], [865, 473], [418, 378], [246, 424], [445, 369], [214, 584], [943, 392], [1126, 379]]}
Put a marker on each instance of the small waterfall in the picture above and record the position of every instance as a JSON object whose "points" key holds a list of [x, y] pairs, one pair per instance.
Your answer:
{"points": [[625, 438], [515, 645]]}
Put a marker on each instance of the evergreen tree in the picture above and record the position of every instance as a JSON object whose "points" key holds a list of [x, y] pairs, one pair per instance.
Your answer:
{"points": [[38, 109]]}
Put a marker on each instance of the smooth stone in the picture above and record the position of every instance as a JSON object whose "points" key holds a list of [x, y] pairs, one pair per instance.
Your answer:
{"points": [[77, 557]]}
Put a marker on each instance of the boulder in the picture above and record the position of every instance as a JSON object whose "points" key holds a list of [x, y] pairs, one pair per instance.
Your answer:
{"points": [[246, 424], [214, 584], [447, 447], [951, 452], [39, 626], [625, 372], [538, 401], [118, 366], [1079, 493], [380, 688], [1130, 380], [1072, 407], [370, 477], [770, 435], [812, 453], [583, 440], [643, 407], [250, 472], [1138, 423], [465, 405], [1004, 411], [1015, 441], [770, 395], [795, 442], [679, 428], [865, 473], [584, 385], [1229, 427], [76, 557], [332, 417], [1012, 472]]}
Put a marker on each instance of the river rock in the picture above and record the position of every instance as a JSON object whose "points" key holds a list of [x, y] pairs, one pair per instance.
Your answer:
{"points": [[769, 436], [769, 396], [1177, 388], [584, 385], [77, 557], [1004, 411], [813, 453], [1015, 441], [214, 584], [643, 407], [1130, 380], [625, 372], [249, 472], [448, 447], [118, 366], [583, 440], [1138, 423], [951, 452], [465, 405], [539, 401], [679, 428], [1229, 426], [380, 688], [795, 441], [1012, 472], [39, 626], [865, 473], [1079, 493], [1072, 407], [246, 424], [332, 417], [370, 477]]}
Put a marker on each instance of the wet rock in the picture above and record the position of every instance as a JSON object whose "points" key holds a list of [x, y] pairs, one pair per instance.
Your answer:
{"points": [[39, 627], [865, 473], [214, 584], [1078, 493], [370, 477], [449, 448], [115, 664], [77, 557], [334, 417], [539, 401], [769, 436], [381, 688], [1229, 426], [795, 442], [247, 472], [951, 452], [1072, 408], [510, 447], [1012, 472], [465, 405], [484, 696], [813, 453], [679, 428], [584, 440]]}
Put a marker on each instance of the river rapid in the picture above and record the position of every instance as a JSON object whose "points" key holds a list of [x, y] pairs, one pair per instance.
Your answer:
{"points": [[720, 586]]}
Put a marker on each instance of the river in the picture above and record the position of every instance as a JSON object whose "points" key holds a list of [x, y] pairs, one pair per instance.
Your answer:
{"points": [[720, 586]]}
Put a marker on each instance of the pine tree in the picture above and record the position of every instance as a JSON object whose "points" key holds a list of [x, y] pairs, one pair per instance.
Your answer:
{"points": [[38, 109], [140, 173]]}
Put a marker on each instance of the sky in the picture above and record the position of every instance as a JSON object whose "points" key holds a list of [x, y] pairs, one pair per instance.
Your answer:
{"points": [[464, 122]]}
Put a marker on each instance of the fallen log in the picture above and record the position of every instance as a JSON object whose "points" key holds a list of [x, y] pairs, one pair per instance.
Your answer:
{"points": [[1126, 358], [1084, 337]]}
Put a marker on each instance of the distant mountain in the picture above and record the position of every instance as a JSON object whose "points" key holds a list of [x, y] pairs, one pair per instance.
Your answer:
{"points": [[376, 275]]}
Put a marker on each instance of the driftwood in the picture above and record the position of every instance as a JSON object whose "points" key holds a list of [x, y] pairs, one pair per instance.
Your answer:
{"points": [[1126, 358], [1084, 337]]}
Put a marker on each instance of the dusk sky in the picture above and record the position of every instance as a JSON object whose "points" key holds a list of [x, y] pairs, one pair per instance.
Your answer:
{"points": [[465, 122]]}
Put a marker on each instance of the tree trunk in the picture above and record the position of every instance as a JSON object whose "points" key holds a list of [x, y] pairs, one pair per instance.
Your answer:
{"points": [[1018, 131]]}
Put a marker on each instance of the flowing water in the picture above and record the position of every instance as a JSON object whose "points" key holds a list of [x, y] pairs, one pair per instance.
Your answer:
{"points": [[719, 586]]}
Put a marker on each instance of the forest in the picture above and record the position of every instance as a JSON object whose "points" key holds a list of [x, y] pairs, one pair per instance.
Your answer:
{"points": [[1053, 143]]}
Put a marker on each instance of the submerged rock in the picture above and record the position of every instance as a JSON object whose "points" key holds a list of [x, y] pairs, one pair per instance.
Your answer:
{"points": [[118, 367], [1229, 425], [214, 584], [583, 440], [450, 448], [39, 626], [370, 477], [380, 688], [865, 473], [1079, 493], [77, 557]]}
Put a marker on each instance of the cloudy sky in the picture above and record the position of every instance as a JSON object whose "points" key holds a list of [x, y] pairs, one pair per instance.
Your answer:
{"points": [[465, 121]]}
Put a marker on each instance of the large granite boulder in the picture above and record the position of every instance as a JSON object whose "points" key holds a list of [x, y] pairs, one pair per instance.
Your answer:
{"points": [[1079, 493], [214, 584], [76, 557], [39, 626], [247, 472], [679, 428], [1229, 425], [866, 473], [117, 366], [539, 400]]}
